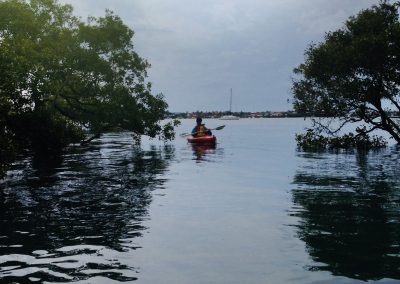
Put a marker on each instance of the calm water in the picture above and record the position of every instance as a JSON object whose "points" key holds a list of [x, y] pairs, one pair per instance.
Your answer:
{"points": [[251, 210]]}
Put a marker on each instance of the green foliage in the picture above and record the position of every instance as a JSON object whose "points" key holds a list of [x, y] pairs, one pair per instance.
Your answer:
{"points": [[60, 76], [314, 141], [45, 131], [355, 73]]}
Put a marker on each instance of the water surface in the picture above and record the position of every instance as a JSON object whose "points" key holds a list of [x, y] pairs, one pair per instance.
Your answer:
{"points": [[253, 209]]}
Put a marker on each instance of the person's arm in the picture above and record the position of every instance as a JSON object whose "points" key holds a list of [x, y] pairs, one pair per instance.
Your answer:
{"points": [[194, 131], [208, 131]]}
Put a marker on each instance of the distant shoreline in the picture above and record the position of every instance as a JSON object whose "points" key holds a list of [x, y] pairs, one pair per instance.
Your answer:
{"points": [[241, 114]]}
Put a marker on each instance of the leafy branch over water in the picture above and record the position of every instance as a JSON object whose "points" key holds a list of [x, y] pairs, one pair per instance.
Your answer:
{"points": [[314, 141], [353, 76], [61, 77], [311, 140]]}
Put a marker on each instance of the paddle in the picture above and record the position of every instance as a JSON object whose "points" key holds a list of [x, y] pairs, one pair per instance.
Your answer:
{"points": [[216, 128]]}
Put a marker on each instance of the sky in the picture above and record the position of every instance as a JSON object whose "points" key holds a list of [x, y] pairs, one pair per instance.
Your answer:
{"points": [[200, 50]]}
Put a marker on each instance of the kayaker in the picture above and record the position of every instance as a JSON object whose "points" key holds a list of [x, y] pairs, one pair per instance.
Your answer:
{"points": [[200, 129]]}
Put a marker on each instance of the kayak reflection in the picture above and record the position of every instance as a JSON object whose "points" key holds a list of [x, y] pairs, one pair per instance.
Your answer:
{"points": [[201, 151]]}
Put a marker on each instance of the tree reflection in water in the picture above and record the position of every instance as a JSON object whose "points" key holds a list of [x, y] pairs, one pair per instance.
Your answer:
{"points": [[349, 214], [67, 218]]}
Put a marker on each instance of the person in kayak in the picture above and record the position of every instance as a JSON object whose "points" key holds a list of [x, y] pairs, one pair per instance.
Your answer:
{"points": [[200, 130]]}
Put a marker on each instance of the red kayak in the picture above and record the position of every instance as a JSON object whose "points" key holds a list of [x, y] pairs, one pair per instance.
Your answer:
{"points": [[203, 140]]}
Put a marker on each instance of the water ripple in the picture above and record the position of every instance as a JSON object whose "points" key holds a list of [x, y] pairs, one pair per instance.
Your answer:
{"points": [[75, 216], [347, 205]]}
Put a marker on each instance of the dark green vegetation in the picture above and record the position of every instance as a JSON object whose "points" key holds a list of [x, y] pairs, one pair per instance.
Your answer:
{"points": [[311, 140], [61, 77], [354, 75]]}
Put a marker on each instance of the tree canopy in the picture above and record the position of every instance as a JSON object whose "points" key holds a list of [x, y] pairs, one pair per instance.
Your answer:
{"points": [[60, 76], [354, 74]]}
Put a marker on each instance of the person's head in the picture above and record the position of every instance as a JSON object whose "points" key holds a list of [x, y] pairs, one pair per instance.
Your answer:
{"points": [[198, 120]]}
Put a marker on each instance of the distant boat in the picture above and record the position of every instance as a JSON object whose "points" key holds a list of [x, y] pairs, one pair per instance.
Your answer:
{"points": [[229, 116]]}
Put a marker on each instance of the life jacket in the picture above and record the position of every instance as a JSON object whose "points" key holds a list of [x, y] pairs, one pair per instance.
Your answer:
{"points": [[201, 130]]}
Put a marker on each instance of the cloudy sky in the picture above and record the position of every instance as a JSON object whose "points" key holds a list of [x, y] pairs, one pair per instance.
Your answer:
{"points": [[201, 49]]}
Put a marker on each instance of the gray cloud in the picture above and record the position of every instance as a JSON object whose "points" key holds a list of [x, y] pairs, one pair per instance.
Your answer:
{"points": [[200, 49]]}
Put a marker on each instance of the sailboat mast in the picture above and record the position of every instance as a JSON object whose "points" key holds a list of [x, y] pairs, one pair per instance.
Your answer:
{"points": [[229, 116], [230, 103]]}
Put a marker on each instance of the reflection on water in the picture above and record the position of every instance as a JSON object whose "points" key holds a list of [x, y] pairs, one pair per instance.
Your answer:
{"points": [[200, 152], [84, 216], [348, 207], [74, 217]]}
